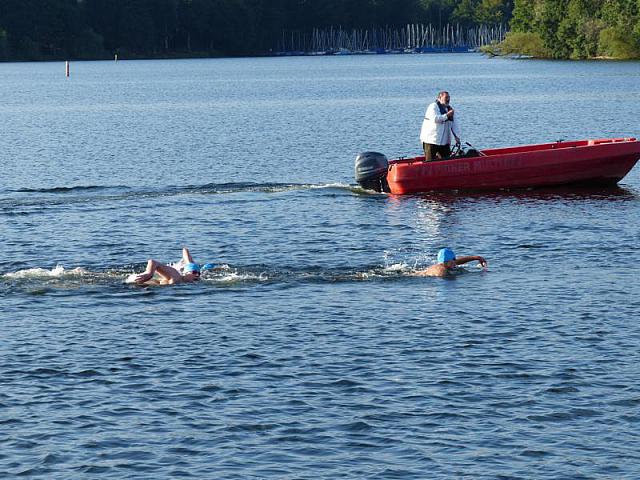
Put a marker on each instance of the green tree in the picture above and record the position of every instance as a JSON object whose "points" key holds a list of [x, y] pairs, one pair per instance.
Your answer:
{"points": [[579, 29], [618, 44], [491, 11], [526, 16], [525, 43], [465, 12]]}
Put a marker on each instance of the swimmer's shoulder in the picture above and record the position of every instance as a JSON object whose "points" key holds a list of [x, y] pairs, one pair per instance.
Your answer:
{"points": [[437, 270]]}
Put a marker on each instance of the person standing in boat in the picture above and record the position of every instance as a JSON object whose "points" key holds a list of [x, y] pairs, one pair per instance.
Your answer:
{"points": [[439, 128]]}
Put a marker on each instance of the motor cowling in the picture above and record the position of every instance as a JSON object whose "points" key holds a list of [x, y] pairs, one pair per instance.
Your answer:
{"points": [[471, 153], [371, 171]]}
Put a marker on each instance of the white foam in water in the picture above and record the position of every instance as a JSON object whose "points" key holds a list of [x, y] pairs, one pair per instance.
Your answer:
{"points": [[397, 267], [224, 274], [235, 277], [331, 185], [387, 270], [57, 272], [221, 274]]}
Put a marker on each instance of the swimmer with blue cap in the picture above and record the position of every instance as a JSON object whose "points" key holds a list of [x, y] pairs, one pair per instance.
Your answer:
{"points": [[171, 275], [448, 263]]}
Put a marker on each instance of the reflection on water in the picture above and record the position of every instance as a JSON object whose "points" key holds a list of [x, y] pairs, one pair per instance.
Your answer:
{"points": [[564, 193]]}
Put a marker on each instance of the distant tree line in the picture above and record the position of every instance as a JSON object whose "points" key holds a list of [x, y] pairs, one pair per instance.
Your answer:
{"points": [[575, 29], [93, 29]]}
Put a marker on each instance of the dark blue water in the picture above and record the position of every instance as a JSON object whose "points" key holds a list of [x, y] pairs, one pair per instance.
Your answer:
{"points": [[311, 352]]}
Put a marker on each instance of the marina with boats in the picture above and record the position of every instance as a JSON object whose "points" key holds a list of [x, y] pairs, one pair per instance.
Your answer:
{"points": [[411, 38]]}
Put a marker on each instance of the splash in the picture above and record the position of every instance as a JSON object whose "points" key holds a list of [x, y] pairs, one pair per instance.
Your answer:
{"points": [[57, 272], [235, 277], [397, 268], [220, 275], [224, 274]]}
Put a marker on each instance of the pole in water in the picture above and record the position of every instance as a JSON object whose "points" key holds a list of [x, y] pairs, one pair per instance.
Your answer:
{"points": [[116, 57], [66, 68]]}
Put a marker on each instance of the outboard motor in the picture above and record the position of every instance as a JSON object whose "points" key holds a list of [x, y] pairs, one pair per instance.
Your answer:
{"points": [[371, 171], [472, 153]]}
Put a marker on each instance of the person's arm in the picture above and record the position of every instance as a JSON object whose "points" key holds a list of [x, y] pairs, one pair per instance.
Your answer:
{"points": [[434, 113], [455, 129], [167, 273], [186, 256], [463, 260], [148, 273]]}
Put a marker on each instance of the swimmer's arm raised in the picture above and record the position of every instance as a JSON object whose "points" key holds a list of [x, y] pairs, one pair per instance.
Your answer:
{"points": [[463, 260], [169, 274], [186, 256]]}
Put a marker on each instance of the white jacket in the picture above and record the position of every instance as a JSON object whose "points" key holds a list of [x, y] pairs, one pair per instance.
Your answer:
{"points": [[436, 129]]}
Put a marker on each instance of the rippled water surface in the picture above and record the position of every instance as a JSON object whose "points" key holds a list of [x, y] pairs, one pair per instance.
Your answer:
{"points": [[311, 351]]}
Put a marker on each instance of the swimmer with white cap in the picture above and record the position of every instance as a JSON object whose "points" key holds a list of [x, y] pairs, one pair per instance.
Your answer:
{"points": [[171, 275], [448, 263]]}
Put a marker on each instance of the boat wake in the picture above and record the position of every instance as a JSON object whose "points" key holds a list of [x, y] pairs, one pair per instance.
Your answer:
{"points": [[80, 188], [209, 188], [24, 201]]}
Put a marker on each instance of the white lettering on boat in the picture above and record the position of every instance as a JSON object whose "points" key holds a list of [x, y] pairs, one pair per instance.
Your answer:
{"points": [[484, 164], [441, 169]]}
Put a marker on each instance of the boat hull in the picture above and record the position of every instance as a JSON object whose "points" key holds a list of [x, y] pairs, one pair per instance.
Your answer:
{"points": [[604, 161]]}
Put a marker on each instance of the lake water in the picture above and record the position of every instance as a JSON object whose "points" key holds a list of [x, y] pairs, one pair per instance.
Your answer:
{"points": [[311, 351]]}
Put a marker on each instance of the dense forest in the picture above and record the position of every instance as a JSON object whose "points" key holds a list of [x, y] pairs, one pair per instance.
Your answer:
{"points": [[93, 29], [575, 29], [90, 29]]}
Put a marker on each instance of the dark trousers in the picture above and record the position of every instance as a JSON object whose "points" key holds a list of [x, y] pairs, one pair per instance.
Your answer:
{"points": [[436, 152]]}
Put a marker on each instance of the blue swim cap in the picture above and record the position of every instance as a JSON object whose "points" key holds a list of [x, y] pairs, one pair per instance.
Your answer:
{"points": [[191, 267], [446, 254], [208, 266]]}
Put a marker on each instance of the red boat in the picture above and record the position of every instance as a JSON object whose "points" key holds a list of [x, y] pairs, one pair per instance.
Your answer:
{"points": [[588, 162]]}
